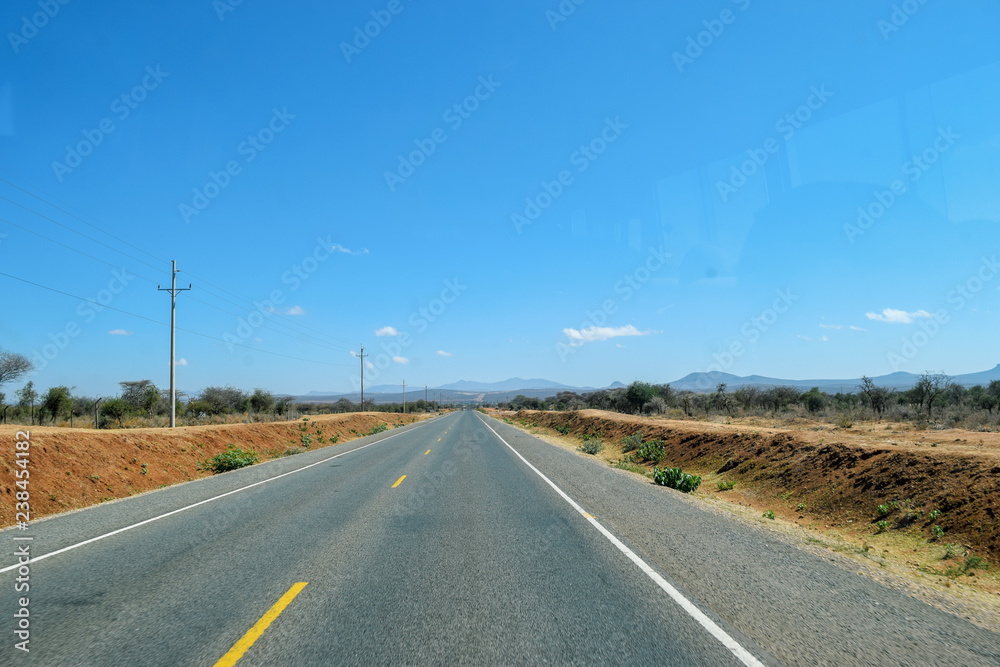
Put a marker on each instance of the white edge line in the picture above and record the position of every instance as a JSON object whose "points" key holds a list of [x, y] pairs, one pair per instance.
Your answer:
{"points": [[711, 626], [200, 502]]}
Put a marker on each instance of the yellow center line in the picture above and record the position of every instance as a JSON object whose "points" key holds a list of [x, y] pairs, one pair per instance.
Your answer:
{"points": [[427, 452], [254, 633], [399, 481]]}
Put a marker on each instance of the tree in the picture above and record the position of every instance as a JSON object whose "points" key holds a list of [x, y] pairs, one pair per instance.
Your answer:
{"points": [[814, 400], [637, 395], [13, 366], [261, 401], [929, 388], [116, 409], [26, 397], [722, 401], [142, 396], [223, 400], [56, 402], [877, 397]]}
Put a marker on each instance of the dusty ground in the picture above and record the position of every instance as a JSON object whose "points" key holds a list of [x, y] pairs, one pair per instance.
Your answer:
{"points": [[824, 485], [72, 468]]}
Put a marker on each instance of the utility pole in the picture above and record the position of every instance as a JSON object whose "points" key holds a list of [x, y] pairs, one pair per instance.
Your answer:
{"points": [[425, 395], [404, 397], [362, 357], [97, 413], [173, 336]]}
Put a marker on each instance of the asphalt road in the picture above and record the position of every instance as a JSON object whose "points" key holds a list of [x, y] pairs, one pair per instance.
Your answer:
{"points": [[495, 548]]}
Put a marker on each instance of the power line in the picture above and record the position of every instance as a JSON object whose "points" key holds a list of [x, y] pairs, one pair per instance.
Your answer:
{"points": [[164, 324], [174, 290], [121, 240]]}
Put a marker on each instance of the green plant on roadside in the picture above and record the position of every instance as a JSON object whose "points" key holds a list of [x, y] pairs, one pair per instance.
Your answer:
{"points": [[145, 469], [563, 430], [630, 443], [884, 510], [937, 532], [651, 451], [726, 485], [378, 428], [307, 440], [675, 478], [881, 525], [769, 514], [934, 514], [801, 507], [591, 445], [231, 459]]}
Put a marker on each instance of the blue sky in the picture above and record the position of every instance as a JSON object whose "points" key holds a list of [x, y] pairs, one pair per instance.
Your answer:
{"points": [[583, 192]]}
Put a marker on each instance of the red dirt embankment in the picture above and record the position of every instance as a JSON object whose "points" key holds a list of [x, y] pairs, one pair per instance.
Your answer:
{"points": [[839, 482], [72, 468]]}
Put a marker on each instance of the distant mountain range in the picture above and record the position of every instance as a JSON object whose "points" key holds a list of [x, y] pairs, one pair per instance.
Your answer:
{"points": [[705, 382], [469, 391]]}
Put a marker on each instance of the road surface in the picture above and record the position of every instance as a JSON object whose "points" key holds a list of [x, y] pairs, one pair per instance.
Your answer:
{"points": [[458, 540]]}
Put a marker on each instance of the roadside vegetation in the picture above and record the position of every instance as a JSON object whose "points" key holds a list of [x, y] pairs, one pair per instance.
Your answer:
{"points": [[934, 401], [140, 404]]}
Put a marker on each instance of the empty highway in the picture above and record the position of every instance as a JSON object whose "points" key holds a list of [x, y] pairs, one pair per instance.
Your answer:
{"points": [[457, 540]]}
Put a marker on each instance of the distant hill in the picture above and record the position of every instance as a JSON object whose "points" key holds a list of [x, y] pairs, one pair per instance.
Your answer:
{"points": [[468, 391], [512, 384], [706, 382]]}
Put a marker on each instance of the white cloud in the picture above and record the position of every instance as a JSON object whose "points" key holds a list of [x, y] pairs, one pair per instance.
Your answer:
{"points": [[401, 360], [838, 327], [339, 248], [593, 334], [295, 310], [387, 331], [120, 332], [181, 362], [821, 339], [854, 328], [442, 353], [893, 316]]}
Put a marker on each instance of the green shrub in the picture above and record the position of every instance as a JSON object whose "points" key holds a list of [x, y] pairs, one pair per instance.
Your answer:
{"points": [[726, 485], [769, 514], [675, 478], [307, 440], [630, 443], [934, 514], [882, 526], [651, 451], [378, 428], [884, 510], [231, 459], [591, 445], [564, 430]]}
